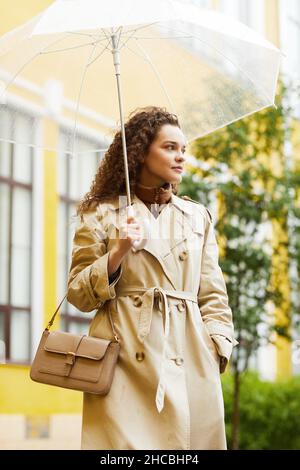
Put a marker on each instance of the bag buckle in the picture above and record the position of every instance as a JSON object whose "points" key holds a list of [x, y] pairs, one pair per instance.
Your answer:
{"points": [[70, 359]]}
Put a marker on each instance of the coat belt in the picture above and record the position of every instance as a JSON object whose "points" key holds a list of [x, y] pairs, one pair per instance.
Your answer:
{"points": [[145, 323]]}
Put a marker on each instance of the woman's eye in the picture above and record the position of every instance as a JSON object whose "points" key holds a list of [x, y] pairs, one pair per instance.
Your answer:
{"points": [[172, 148]]}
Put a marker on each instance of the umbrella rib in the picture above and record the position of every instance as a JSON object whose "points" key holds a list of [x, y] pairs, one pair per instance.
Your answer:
{"points": [[74, 47], [124, 35], [145, 56], [81, 34], [79, 96], [164, 37], [127, 39], [99, 55], [28, 62], [108, 37], [51, 149], [141, 27], [158, 77], [119, 37]]}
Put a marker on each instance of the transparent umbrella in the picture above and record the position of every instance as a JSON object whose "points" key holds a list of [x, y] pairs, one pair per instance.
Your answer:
{"points": [[207, 68]]}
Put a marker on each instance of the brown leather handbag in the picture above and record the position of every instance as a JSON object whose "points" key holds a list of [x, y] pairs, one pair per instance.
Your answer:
{"points": [[83, 363]]}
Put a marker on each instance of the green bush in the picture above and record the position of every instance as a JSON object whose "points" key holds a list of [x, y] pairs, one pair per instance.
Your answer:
{"points": [[269, 412]]}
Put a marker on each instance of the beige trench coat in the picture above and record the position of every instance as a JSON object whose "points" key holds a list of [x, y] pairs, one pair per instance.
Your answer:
{"points": [[170, 308]]}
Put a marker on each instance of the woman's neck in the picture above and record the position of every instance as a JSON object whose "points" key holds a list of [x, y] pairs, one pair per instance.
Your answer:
{"points": [[147, 186], [154, 194]]}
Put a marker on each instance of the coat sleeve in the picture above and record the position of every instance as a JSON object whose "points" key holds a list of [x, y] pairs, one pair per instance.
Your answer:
{"points": [[89, 286], [213, 298]]}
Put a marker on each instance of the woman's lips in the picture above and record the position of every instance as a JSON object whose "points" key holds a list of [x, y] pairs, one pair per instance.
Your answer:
{"points": [[178, 169]]}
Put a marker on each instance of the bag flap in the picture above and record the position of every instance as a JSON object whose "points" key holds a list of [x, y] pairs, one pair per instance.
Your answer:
{"points": [[63, 343]]}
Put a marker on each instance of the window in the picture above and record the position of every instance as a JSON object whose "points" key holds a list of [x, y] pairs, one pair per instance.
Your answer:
{"points": [[16, 170], [249, 12], [290, 37], [178, 28], [75, 178], [199, 3], [231, 8]]}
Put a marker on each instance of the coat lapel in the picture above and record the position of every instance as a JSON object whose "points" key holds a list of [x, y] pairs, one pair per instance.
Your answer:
{"points": [[172, 227]]}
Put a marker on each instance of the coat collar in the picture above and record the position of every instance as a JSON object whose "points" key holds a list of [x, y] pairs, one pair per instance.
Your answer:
{"points": [[179, 218], [120, 203]]}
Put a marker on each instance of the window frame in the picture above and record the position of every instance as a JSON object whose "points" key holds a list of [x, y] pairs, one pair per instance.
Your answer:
{"points": [[68, 313], [9, 308], [249, 13]]}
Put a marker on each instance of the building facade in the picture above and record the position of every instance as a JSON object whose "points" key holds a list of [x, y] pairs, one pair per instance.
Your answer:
{"points": [[38, 193]]}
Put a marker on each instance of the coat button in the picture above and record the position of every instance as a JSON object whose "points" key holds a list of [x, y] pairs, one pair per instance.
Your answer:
{"points": [[179, 361], [137, 301], [183, 255], [181, 306], [140, 356]]}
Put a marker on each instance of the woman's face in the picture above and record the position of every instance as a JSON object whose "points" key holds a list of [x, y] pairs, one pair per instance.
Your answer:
{"points": [[165, 159]]}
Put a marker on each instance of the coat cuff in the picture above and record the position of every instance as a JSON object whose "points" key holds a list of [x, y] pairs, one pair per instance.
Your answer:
{"points": [[224, 347], [100, 287], [220, 328]]}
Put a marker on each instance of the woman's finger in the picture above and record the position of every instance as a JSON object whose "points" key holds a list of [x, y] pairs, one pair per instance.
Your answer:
{"points": [[131, 219]]}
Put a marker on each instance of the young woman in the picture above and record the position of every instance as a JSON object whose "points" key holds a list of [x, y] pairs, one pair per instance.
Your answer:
{"points": [[168, 301]]}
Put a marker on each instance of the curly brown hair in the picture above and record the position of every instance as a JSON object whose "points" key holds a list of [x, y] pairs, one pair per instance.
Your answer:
{"points": [[141, 130]]}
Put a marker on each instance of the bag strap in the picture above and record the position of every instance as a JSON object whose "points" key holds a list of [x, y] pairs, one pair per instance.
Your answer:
{"points": [[56, 311], [54, 314]]}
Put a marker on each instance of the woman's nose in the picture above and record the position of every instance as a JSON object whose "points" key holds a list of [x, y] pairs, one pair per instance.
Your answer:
{"points": [[180, 156]]}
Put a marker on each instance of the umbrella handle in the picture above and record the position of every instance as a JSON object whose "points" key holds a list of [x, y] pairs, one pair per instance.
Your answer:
{"points": [[139, 244]]}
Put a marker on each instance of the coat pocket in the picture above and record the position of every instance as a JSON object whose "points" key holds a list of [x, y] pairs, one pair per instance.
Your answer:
{"points": [[211, 345]]}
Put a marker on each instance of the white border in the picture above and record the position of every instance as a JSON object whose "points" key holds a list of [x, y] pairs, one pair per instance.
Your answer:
{"points": [[37, 280]]}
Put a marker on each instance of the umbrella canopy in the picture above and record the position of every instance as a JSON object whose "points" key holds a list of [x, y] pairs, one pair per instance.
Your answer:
{"points": [[207, 68]]}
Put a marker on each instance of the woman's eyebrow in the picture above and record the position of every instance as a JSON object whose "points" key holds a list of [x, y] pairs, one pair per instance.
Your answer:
{"points": [[173, 142]]}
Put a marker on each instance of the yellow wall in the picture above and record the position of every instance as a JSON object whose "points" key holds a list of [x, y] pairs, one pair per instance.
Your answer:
{"points": [[20, 395], [214, 4], [280, 277], [16, 12], [296, 144], [272, 19], [51, 202], [280, 266]]}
